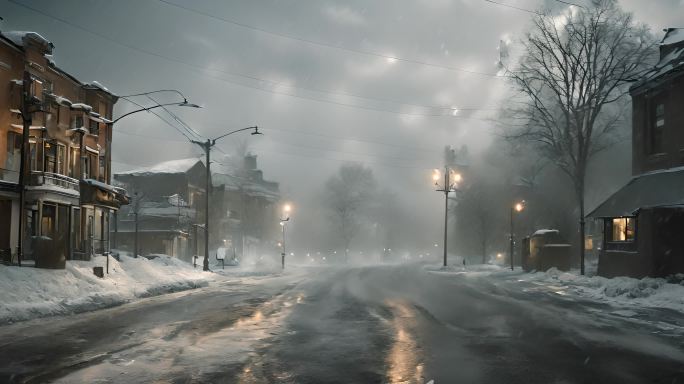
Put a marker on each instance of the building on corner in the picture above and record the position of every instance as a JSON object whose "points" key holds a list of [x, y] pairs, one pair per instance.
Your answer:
{"points": [[643, 222], [64, 128]]}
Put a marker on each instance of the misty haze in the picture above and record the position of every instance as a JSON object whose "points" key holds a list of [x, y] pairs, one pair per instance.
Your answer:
{"points": [[395, 191]]}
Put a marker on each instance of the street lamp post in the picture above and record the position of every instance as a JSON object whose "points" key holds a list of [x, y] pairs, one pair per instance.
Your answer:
{"points": [[517, 207], [451, 181], [286, 211], [207, 146], [111, 123]]}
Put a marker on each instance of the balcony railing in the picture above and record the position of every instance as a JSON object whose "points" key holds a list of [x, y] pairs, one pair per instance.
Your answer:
{"points": [[9, 175], [49, 178]]}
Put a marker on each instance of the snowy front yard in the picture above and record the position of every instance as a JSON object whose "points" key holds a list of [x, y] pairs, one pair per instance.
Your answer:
{"points": [[620, 291], [32, 292]]}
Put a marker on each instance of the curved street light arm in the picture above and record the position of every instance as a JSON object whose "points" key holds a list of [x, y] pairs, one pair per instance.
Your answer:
{"points": [[185, 103], [255, 128]]}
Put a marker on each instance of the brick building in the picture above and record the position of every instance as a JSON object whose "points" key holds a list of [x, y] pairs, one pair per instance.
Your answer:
{"points": [[643, 222], [68, 197]]}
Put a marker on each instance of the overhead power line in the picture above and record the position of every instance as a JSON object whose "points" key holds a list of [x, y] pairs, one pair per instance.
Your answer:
{"points": [[511, 6], [446, 111], [120, 132], [185, 126], [324, 44], [160, 117], [376, 156], [334, 137], [570, 3], [281, 152]]}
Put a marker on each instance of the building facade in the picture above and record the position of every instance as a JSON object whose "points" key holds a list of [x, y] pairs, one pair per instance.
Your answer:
{"points": [[246, 215], [167, 207], [60, 128], [643, 221]]}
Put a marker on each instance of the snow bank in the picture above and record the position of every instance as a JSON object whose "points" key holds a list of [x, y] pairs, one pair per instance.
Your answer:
{"points": [[32, 292], [624, 291], [646, 292]]}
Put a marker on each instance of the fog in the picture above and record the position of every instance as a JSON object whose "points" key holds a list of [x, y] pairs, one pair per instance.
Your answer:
{"points": [[319, 79]]}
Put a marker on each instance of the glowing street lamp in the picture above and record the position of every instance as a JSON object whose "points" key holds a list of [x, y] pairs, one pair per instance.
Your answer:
{"points": [[287, 208], [517, 207]]}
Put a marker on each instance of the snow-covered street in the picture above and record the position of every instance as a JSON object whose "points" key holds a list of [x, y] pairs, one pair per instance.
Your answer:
{"points": [[375, 324]]}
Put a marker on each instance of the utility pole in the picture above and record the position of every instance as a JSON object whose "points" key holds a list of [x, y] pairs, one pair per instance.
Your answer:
{"points": [[136, 209], [207, 146], [517, 207], [26, 116], [510, 238], [287, 208], [207, 151], [446, 211], [135, 237], [28, 104], [282, 254]]}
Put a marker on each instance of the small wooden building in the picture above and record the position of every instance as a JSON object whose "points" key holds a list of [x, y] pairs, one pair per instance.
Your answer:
{"points": [[545, 249]]}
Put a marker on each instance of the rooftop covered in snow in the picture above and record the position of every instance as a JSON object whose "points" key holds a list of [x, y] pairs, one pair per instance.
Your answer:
{"points": [[166, 167], [671, 58], [652, 189], [20, 38]]}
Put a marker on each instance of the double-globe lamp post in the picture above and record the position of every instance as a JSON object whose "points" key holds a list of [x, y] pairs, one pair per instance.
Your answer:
{"points": [[451, 180], [287, 208], [515, 208]]}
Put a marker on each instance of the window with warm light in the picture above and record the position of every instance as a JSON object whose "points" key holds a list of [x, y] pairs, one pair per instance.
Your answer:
{"points": [[623, 229]]}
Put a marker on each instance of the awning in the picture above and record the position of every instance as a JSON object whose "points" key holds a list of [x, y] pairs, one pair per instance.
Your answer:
{"points": [[101, 194], [653, 189]]}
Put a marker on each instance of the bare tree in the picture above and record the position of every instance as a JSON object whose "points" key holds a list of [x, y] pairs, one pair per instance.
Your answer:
{"points": [[347, 193], [476, 211], [574, 66]]}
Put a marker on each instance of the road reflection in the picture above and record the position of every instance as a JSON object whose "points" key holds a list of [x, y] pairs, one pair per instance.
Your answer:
{"points": [[264, 324], [405, 360]]}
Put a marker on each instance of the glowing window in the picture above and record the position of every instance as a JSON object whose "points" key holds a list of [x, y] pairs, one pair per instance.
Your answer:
{"points": [[623, 229]]}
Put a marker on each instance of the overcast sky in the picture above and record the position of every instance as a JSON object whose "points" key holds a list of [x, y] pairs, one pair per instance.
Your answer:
{"points": [[294, 67]]}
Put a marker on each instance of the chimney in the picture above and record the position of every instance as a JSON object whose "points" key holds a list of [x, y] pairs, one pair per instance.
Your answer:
{"points": [[250, 162], [673, 39]]}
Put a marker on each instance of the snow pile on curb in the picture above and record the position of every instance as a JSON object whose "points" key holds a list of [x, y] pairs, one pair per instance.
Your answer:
{"points": [[474, 270], [645, 292], [625, 291], [29, 293]]}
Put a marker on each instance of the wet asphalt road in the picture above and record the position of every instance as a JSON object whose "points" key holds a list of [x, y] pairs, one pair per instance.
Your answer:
{"points": [[351, 325]]}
